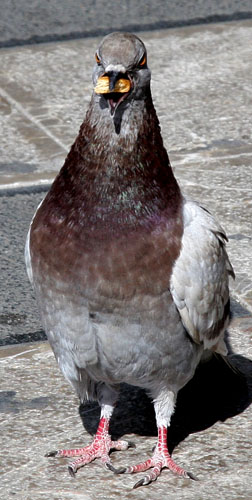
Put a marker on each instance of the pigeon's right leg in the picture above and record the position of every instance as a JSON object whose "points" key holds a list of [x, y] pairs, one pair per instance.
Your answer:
{"points": [[164, 402], [99, 448]]}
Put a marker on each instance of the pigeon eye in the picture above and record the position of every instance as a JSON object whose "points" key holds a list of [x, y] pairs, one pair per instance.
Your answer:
{"points": [[97, 58], [142, 61]]}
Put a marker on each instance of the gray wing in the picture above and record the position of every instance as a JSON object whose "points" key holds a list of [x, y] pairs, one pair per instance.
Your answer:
{"points": [[27, 254], [200, 276]]}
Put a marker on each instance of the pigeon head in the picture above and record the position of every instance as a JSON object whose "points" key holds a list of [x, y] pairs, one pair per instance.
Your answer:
{"points": [[121, 74]]}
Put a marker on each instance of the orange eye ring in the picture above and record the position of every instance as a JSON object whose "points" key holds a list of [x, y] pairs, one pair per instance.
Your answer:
{"points": [[143, 60], [97, 58]]}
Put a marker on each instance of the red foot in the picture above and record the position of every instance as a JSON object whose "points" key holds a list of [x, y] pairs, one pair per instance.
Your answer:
{"points": [[99, 448], [161, 459]]}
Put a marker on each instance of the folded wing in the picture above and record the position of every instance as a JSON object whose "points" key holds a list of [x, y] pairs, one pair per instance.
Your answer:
{"points": [[199, 281]]}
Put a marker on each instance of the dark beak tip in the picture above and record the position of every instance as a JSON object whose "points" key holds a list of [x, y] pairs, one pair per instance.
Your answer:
{"points": [[113, 76]]}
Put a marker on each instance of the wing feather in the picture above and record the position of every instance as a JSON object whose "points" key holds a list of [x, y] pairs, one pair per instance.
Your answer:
{"points": [[200, 278]]}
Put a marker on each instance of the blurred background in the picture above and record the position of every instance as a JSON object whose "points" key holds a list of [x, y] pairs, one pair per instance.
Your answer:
{"points": [[31, 21]]}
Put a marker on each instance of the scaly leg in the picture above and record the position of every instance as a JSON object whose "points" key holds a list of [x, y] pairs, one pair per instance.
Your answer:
{"points": [[160, 459], [164, 405], [99, 448]]}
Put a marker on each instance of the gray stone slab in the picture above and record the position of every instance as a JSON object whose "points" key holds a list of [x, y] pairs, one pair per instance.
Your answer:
{"points": [[19, 320], [210, 434], [29, 21]]}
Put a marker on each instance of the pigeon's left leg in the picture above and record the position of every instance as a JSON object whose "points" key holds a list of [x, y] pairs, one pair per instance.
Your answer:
{"points": [[164, 406], [99, 448]]}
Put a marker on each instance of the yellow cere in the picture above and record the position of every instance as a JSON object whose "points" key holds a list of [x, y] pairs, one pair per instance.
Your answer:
{"points": [[122, 85]]}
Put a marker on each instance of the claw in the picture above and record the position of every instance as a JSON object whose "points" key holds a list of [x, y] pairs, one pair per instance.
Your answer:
{"points": [[141, 482], [120, 470], [192, 476], [71, 471], [51, 454], [131, 444], [161, 459]]}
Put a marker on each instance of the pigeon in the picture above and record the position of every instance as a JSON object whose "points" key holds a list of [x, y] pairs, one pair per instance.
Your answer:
{"points": [[131, 277]]}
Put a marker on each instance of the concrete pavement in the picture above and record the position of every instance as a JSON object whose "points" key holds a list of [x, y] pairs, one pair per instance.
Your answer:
{"points": [[202, 91]]}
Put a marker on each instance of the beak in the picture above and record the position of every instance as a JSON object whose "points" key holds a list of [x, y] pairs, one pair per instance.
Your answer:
{"points": [[116, 85], [112, 81], [113, 77]]}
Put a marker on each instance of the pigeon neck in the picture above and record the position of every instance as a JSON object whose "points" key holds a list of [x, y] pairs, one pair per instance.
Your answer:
{"points": [[112, 179], [128, 167]]}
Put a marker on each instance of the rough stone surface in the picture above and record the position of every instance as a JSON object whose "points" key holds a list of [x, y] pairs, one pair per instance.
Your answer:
{"points": [[39, 413], [202, 91]]}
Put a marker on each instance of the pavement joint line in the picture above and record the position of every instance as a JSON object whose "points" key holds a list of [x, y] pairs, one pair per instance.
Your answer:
{"points": [[226, 188], [240, 298], [12, 189], [32, 119], [20, 354], [196, 157]]}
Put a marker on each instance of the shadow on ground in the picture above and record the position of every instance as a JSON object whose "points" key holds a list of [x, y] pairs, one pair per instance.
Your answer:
{"points": [[214, 394]]}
